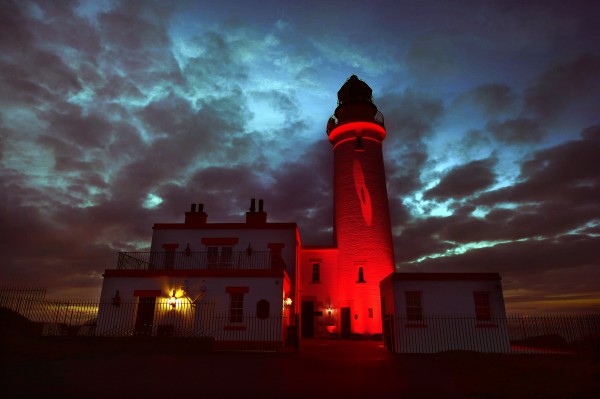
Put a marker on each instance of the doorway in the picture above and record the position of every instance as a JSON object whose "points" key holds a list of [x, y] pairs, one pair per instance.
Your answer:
{"points": [[145, 316], [345, 323], [308, 319]]}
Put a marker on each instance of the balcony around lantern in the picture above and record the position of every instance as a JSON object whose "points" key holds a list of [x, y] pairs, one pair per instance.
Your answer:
{"points": [[243, 260], [334, 121]]}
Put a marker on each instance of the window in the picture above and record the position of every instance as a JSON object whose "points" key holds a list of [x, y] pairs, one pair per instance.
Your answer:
{"points": [[222, 259], [414, 305], [226, 258], [169, 258], [236, 308], [212, 254], [316, 272], [483, 308], [361, 275], [370, 313]]}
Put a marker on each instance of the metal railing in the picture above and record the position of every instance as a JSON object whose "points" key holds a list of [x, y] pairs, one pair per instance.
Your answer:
{"points": [[275, 333], [186, 260], [18, 298], [516, 334], [334, 122]]}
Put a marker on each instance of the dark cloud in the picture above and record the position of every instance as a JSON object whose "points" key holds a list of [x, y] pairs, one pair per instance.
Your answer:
{"points": [[465, 180], [567, 173], [432, 57], [517, 131], [492, 99], [410, 117], [560, 88], [404, 173]]}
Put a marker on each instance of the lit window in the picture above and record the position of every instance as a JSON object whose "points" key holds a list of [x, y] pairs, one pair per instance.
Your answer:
{"points": [[361, 275], [236, 308], [414, 305], [483, 308], [316, 273]]}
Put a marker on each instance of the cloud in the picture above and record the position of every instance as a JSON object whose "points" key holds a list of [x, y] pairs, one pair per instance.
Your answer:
{"points": [[490, 99], [517, 131], [432, 57], [464, 180], [567, 173], [412, 117], [560, 89]]}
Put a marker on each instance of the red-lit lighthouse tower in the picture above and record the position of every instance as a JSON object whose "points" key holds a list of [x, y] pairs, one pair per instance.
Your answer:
{"points": [[361, 212]]}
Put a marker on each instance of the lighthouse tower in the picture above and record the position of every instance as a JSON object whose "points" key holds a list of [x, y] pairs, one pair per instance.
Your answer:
{"points": [[361, 213]]}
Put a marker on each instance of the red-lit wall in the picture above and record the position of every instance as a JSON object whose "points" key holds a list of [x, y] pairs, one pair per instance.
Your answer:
{"points": [[361, 222]]}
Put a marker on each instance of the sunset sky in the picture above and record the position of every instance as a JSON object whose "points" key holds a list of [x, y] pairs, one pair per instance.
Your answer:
{"points": [[116, 115]]}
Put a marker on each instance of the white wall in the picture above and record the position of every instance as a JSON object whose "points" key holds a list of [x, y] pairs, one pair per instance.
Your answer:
{"points": [[448, 317], [213, 301]]}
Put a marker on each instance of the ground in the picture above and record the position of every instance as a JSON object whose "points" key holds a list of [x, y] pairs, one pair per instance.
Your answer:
{"points": [[82, 368]]}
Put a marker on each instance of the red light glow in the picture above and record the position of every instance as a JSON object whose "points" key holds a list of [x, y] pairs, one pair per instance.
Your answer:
{"points": [[352, 129], [363, 193]]}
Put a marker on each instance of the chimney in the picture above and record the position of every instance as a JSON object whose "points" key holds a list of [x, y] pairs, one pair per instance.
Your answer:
{"points": [[256, 218], [196, 218]]}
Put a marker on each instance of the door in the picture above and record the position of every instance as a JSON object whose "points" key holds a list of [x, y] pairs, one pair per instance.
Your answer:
{"points": [[345, 323], [308, 319], [145, 316]]}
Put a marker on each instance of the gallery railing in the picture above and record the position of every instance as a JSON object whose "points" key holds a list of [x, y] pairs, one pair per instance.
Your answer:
{"points": [[334, 122], [186, 260]]}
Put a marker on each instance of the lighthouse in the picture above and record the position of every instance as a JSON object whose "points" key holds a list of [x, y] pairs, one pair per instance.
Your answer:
{"points": [[362, 228]]}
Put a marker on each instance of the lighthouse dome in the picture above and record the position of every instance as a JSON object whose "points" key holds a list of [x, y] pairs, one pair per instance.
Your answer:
{"points": [[354, 90]]}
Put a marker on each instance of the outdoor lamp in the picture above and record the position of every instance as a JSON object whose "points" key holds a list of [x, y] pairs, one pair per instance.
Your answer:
{"points": [[329, 310], [173, 301], [287, 302]]}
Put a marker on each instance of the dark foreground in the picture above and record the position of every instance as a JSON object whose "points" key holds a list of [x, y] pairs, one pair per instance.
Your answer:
{"points": [[34, 367]]}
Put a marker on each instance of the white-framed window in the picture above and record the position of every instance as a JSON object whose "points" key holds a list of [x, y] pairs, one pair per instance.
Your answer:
{"points": [[483, 306], [236, 307], [219, 256], [414, 305]]}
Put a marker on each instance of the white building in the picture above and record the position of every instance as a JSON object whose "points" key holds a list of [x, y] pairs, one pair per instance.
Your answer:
{"points": [[227, 281], [434, 312]]}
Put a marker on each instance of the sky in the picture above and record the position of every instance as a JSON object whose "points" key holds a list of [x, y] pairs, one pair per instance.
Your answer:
{"points": [[117, 115]]}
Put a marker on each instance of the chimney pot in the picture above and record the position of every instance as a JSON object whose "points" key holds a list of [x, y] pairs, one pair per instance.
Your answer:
{"points": [[260, 205], [193, 210], [200, 208], [253, 205]]}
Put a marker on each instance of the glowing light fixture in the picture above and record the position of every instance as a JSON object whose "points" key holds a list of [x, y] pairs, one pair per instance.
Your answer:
{"points": [[329, 310], [173, 301], [287, 302]]}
